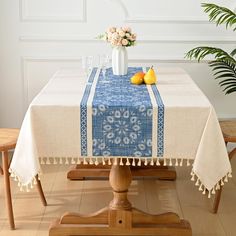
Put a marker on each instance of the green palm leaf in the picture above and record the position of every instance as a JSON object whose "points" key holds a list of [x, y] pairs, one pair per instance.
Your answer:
{"points": [[225, 71], [233, 53], [224, 64], [220, 15], [200, 53]]}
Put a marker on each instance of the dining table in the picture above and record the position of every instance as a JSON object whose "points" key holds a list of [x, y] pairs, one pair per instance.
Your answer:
{"points": [[104, 119]]}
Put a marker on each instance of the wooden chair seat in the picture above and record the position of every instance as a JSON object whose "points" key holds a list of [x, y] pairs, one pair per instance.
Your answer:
{"points": [[228, 128], [8, 139]]}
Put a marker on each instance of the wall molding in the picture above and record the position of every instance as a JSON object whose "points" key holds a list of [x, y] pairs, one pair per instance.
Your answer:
{"points": [[166, 20], [163, 19], [157, 19], [149, 39], [25, 16], [132, 58]]}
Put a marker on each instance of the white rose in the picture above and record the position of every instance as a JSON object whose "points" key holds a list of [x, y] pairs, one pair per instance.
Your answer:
{"points": [[126, 29], [115, 36], [121, 33], [124, 42], [127, 35], [133, 37], [114, 42], [112, 29]]}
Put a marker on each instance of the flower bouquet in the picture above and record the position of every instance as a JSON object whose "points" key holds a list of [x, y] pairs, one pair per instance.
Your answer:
{"points": [[119, 38]]}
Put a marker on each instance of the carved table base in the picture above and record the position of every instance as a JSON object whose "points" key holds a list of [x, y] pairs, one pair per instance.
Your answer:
{"points": [[119, 218]]}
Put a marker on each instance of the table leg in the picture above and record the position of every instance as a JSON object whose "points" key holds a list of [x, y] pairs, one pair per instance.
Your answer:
{"points": [[80, 172], [119, 218]]}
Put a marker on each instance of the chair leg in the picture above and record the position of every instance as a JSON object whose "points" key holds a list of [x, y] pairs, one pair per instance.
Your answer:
{"points": [[217, 200], [1, 171], [232, 153], [8, 189], [40, 189]]}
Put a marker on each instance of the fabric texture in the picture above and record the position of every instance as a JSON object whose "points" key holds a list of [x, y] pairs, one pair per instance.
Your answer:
{"points": [[107, 117]]}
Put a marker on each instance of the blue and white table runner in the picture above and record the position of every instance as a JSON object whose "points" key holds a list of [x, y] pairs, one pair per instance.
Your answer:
{"points": [[127, 120], [75, 120]]}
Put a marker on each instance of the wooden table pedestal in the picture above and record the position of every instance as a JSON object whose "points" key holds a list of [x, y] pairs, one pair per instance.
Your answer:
{"points": [[119, 218], [80, 172]]}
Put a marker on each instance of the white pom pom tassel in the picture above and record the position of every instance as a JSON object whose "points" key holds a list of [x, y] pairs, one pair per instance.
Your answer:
{"points": [[139, 162], [90, 161], [188, 162], [133, 162], [176, 162], [48, 161], [127, 162], [72, 161], [164, 161], [54, 161], [193, 177], [200, 187], [204, 191], [145, 162], [152, 162], [158, 162]]}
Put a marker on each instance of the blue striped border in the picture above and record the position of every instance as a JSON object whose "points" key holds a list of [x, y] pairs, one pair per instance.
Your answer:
{"points": [[160, 117], [83, 113]]}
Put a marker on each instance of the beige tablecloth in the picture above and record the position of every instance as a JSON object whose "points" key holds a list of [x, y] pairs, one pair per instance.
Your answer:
{"points": [[50, 132]]}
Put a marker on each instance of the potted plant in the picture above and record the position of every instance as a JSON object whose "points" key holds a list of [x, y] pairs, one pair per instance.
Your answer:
{"points": [[224, 63]]}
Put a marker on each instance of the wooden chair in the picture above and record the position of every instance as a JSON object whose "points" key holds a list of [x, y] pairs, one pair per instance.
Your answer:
{"points": [[8, 138], [229, 132]]}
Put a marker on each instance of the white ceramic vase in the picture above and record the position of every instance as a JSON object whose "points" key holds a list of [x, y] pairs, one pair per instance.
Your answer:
{"points": [[119, 60]]}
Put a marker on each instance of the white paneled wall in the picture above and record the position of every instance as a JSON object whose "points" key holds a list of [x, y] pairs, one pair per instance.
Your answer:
{"points": [[38, 37]]}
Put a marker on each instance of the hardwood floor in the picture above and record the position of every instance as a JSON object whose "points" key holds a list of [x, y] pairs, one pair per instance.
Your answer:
{"points": [[153, 196]]}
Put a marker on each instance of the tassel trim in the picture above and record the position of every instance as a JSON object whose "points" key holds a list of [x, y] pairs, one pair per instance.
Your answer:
{"points": [[25, 187], [128, 161], [212, 191]]}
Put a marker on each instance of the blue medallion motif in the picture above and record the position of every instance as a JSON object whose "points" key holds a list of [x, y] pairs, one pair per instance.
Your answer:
{"points": [[122, 117]]}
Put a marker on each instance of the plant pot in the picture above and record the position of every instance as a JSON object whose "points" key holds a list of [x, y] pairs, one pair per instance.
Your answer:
{"points": [[119, 60]]}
